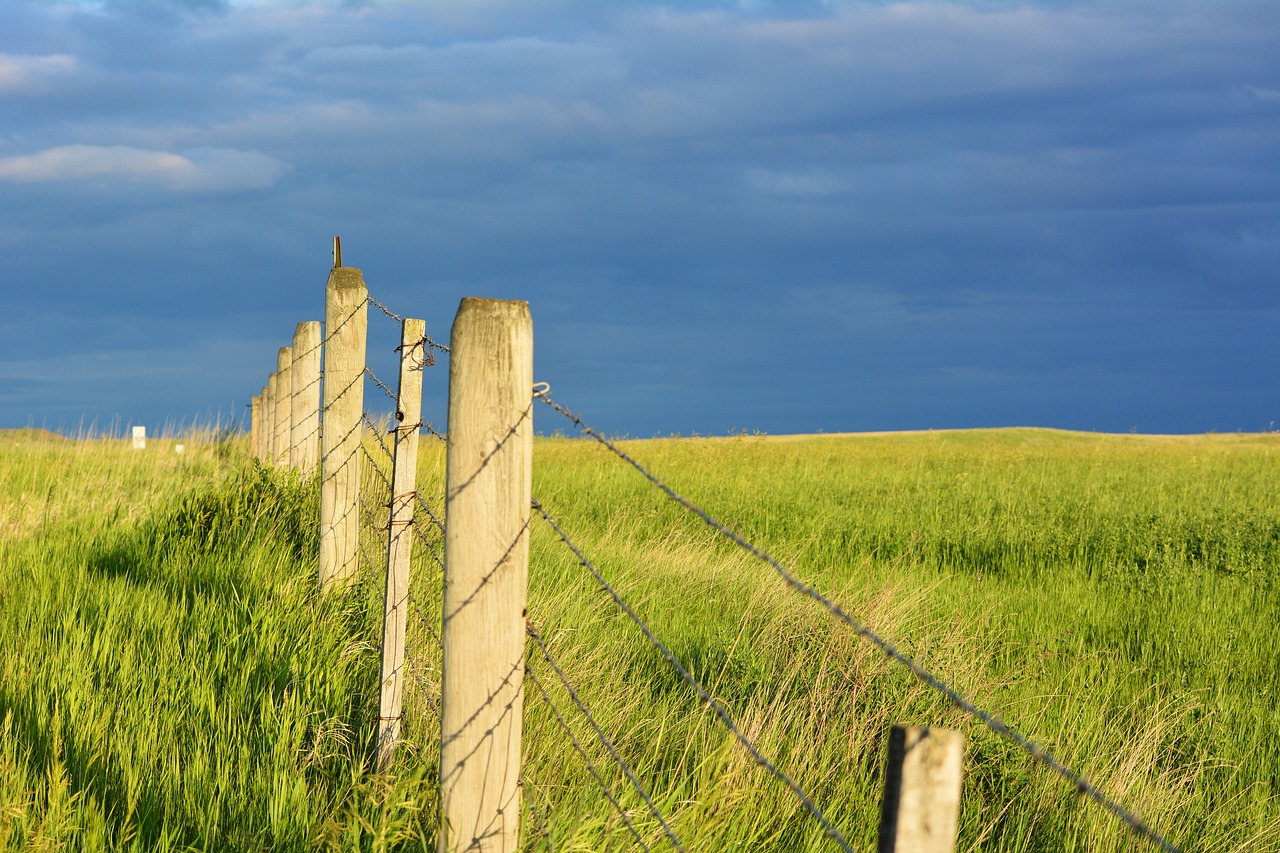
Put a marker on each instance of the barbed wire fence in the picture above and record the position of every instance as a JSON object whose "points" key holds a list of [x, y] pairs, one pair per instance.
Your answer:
{"points": [[1036, 752], [418, 724]]}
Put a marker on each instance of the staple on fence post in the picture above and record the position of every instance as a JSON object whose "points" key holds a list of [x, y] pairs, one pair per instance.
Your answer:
{"points": [[400, 537], [304, 419], [346, 321], [280, 441], [269, 439], [921, 806], [488, 474]]}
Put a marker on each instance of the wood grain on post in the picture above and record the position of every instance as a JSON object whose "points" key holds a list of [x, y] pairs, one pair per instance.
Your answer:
{"points": [[346, 319], [488, 474], [404, 494], [921, 807], [284, 406], [304, 443], [269, 422]]}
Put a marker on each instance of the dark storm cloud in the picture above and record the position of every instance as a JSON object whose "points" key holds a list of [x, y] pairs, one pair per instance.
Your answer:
{"points": [[778, 216]]}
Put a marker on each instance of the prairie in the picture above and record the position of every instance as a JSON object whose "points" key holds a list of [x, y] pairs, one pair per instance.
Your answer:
{"points": [[170, 679]]}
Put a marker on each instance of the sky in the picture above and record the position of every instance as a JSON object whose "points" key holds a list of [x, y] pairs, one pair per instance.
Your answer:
{"points": [[777, 217]]}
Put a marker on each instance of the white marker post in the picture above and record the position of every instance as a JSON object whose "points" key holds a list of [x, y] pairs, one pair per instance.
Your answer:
{"points": [[139, 438]]}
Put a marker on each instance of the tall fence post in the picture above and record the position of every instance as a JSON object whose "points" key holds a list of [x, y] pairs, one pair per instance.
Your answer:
{"points": [[488, 486], [269, 404], [255, 424], [264, 432], [304, 442], [921, 806], [346, 319], [404, 493], [284, 389]]}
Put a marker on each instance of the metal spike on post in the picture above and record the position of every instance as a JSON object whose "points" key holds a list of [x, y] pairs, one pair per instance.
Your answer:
{"points": [[337, 251], [488, 474], [404, 495], [921, 807]]}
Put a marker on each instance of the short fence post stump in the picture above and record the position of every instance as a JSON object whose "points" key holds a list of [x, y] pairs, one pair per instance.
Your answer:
{"points": [[921, 806], [488, 485]]}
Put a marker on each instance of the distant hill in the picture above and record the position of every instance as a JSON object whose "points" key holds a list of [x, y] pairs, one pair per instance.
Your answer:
{"points": [[31, 434]]}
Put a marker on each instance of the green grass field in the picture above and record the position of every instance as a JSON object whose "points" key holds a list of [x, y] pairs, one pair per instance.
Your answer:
{"points": [[171, 680]]}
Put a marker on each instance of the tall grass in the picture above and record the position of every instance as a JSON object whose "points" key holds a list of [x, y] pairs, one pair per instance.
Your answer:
{"points": [[1114, 597], [170, 679]]}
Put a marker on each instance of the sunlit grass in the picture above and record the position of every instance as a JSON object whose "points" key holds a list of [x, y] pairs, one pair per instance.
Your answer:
{"points": [[170, 678]]}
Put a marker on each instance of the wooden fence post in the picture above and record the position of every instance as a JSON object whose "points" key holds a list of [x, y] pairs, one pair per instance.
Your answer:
{"points": [[404, 493], [488, 473], [284, 412], [304, 442], [264, 409], [921, 806], [346, 319], [269, 439], [255, 424]]}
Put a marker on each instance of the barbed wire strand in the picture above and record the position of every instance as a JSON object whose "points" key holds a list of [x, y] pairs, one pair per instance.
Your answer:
{"points": [[705, 696], [422, 537], [429, 428], [427, 509], [533, 810], [1077, 780], [386, 390], [426, 622], [604, 739], [595, 773], [384, 309], [426, 689]]}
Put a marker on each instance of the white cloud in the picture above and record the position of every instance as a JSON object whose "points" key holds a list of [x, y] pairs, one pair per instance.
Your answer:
{"points": [[200, 169], [25, 73]]}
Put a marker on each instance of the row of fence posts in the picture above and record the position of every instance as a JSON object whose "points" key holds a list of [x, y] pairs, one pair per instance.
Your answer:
{"points": [[486, 549]]}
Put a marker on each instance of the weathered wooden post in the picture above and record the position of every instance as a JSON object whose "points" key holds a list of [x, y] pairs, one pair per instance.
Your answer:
{"points": [[346, 319], [488, 474], [269, 440], [304, 418], [284, 409], [921, 807], [264, 408], [255, 424], [400, 537]]}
